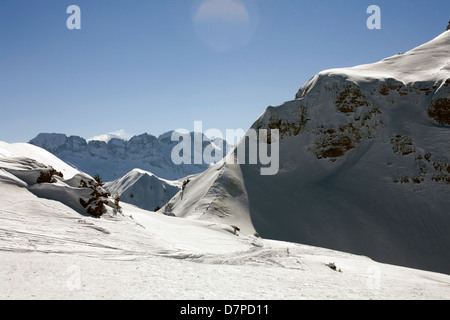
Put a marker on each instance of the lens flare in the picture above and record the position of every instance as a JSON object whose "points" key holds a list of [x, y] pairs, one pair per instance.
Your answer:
{"points": [[224, 25]]}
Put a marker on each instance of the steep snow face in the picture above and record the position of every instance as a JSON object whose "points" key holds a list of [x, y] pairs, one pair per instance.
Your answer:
{"points": [[115, 158], [144, 189], [364, 163], [217, 195]]}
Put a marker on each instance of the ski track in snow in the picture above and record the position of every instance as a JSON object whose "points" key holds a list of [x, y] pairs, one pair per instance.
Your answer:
{"points": [[51, 252]]}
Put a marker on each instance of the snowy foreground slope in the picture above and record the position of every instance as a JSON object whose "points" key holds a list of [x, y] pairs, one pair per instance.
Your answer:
{"points": [[364, 165], [51, 251]]}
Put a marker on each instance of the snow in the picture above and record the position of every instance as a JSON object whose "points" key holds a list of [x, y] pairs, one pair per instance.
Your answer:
{"points": [[50, 251]]}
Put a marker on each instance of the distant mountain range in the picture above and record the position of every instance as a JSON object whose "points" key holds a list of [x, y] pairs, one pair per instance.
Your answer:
{"points": [[115, 158]]}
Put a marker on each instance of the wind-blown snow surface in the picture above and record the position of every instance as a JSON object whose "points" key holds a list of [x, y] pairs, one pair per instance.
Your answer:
{"points": [[364, 165], [50, 251]]}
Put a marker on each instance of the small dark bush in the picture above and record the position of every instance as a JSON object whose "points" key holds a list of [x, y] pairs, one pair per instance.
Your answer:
{"points": [[185, 183], [99, 180], [47, 177], [83, 184], [99, 197], [117, 200], [83, 203], [98, 209]]}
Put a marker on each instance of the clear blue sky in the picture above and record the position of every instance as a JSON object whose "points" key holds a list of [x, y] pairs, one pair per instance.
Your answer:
{"points": [[158, 65]]}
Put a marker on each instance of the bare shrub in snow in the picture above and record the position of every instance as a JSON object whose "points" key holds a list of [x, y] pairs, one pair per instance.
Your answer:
{"points": [[99, 197], [47, 176], [185, 183], [99, 180]]}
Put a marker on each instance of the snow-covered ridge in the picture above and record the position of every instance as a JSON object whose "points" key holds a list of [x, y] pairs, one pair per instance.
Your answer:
{"points": [[426, 63], [115, 158], [364, 164]]}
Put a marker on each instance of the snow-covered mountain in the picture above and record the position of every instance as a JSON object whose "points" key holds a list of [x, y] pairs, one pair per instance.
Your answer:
{"points": [[50, 250], [114, 158], [364, 165], [144, 190]]}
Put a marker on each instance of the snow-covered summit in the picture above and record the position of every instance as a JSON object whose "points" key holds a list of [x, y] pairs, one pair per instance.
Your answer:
{"points": [[426, 63], [143, 189], [120, 134]]}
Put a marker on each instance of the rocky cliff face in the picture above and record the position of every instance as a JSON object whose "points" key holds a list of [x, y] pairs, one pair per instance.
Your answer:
{"points": [[115, 158], [364, 164]]}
